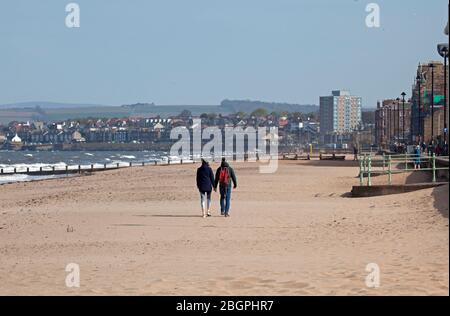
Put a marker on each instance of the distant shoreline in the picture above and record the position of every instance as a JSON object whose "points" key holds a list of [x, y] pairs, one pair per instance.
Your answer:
{"points": [[93, 147]]}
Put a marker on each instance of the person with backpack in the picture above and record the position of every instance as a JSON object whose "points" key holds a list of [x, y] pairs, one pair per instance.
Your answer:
{"points": [[205, 182], [225, 177]]}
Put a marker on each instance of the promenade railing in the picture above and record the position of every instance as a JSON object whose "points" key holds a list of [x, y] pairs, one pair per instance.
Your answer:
{"points": [[371, 165]]}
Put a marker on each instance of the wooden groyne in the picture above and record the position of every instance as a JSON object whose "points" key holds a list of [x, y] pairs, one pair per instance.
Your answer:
{"points": [[73, 169]]}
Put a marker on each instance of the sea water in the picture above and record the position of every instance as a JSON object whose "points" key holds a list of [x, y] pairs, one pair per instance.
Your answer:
{"points": [[47, 160]]}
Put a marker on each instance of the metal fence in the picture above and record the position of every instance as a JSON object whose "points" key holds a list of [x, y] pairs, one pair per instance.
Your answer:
{"points": [[371, 165]]}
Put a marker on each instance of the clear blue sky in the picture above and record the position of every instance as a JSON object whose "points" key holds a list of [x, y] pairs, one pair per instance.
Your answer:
{"points": [[202, 51]]}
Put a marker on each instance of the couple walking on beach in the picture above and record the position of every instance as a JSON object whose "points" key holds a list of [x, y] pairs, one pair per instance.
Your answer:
{"points": [[225, 179]]}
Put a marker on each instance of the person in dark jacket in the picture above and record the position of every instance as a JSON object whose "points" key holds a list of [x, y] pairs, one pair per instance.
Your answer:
{"points": [[205, 182], [225, 177], [355, 153]]}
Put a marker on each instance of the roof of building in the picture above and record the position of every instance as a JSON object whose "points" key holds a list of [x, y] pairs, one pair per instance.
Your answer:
{"points": [[16, 139]]}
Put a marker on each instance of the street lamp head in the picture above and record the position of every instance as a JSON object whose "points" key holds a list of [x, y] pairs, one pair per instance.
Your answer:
{"points": [[443, 50], [398, 99], [403, 94]]}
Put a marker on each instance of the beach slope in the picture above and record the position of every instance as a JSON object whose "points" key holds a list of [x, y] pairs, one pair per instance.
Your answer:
{"points": [[139, 231]]}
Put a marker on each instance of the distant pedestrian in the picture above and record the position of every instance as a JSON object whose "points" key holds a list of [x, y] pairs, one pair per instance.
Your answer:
{"points": [[355, 153], [424, 147], [205, 182], [417, 156], [431, 148], [438, 150], [225, 177]]}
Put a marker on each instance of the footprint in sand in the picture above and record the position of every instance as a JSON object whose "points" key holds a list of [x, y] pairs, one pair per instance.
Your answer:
{"points": [[251, 280], [294, 285], [241, 285], [225, 278], [265, 281]]}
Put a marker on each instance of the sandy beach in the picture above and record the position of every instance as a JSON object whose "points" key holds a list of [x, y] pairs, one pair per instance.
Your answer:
{"points": [[139, 231]]}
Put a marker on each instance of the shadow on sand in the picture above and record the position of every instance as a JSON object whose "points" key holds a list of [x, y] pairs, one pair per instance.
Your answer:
{"points": [[347, 195], [331, 163], [440, 196], [170, 216]]}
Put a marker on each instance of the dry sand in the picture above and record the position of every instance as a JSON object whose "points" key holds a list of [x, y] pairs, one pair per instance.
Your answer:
{"points": [[295, 232]]}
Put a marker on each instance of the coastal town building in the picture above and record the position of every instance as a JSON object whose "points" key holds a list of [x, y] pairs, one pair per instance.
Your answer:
{"points": [[429, 81], [16, 140], [305, 132], [294, 129], [437, 126], [392, 124], [77, 137], [340, 113]]}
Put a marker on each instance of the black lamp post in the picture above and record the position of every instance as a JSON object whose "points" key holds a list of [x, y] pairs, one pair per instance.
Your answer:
{"points": [[443, 51], [403, 116], [388, 125], [419, 110], [394, 121], [432, 101], [445, 93], [412, 128], [391, 124], [398, 119], [388, 114]]}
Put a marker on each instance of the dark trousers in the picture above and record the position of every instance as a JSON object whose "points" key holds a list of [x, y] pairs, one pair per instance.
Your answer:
{"points": [[225, 199]]}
